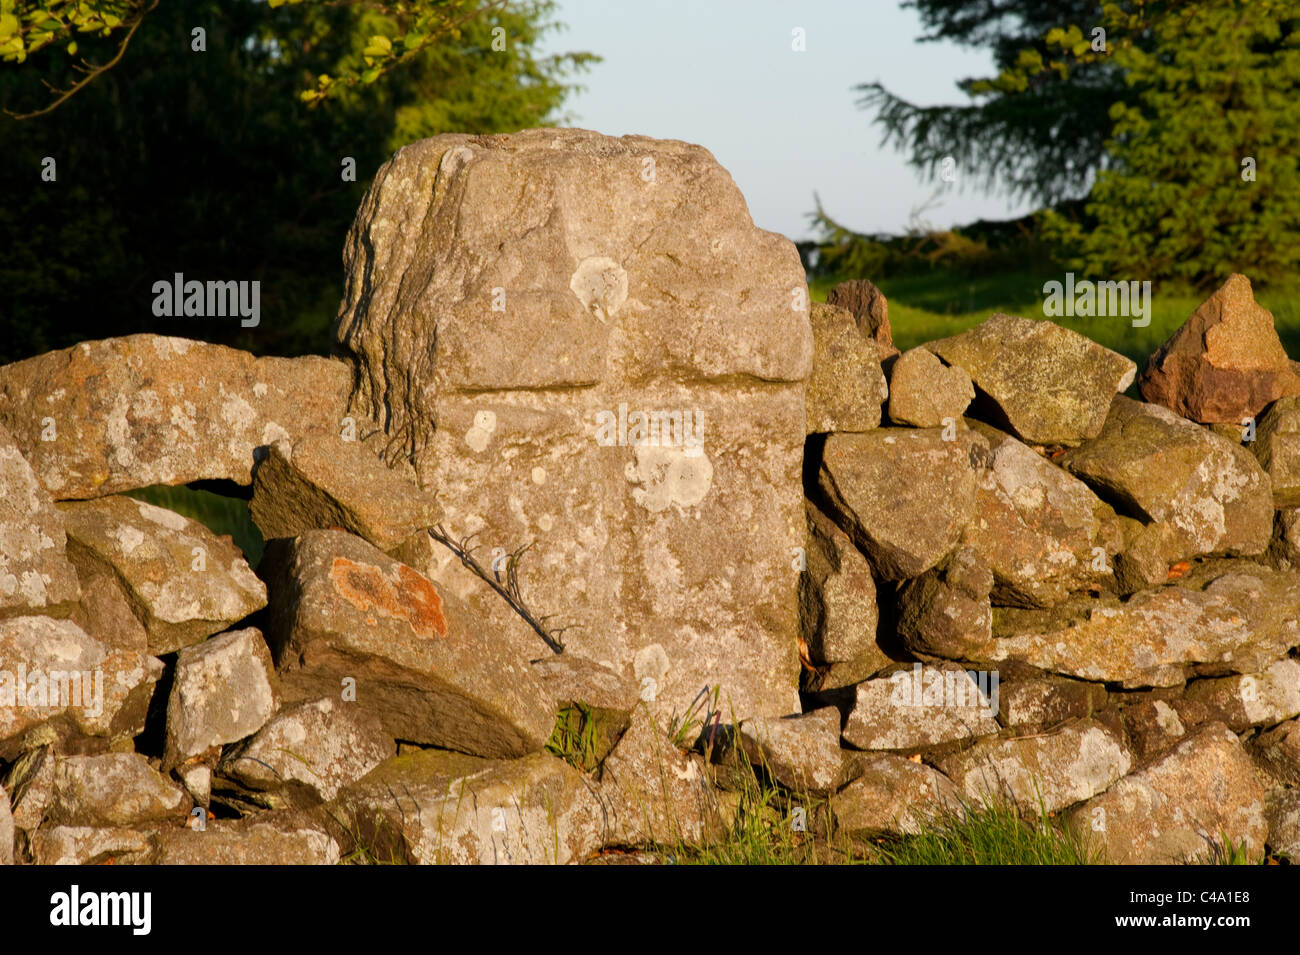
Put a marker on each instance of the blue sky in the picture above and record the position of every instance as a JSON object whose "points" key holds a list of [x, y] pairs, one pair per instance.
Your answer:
{"points": [[722, 73]]}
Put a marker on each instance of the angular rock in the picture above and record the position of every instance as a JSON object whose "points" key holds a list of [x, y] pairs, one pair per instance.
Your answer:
{"points": [[225, 689], [438, 808], [837, 606], [1284, 549], [1195, 492], [1252, 699], [1181, 806], [6, 830], [652, 792], [870, 310], [1043, 383], [56, 683], [90, 845], [280, 839], [105, 611], [923, 391], [1284, 824], [422, 660], [325, 481], [544, 392], [920, 708], [115, 789], [35, 575], [1025, 701], [946, 612], [126, 413], [184, 583], [1278, 750], [1235, 614], [902, 495], [801, 752], [847, 386], [1041, 773], [315, 748], [1153, 726], [607, 697], [893, 796], [1277, 446], [1224, 364], [1043, 532]]}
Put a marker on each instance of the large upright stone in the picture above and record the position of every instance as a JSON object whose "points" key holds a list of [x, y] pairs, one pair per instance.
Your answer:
{"points": [[1277, 445], [583, 344], [847, 386], [1043, 383], [125, 413], [1224, 364]]}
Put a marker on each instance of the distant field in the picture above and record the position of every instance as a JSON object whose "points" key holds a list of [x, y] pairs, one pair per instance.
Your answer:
{"points": [[937, 304]]}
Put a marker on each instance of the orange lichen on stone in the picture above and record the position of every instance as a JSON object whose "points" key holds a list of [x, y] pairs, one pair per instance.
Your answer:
{"points": [[411, 597]]}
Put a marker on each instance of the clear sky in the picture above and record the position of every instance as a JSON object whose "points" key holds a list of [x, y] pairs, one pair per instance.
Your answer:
{"points": [[722, 73]]}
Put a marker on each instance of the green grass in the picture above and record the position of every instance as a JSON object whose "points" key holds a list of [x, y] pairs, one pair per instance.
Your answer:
{"points": [[929, 305], [576, 738], [221, 515]]}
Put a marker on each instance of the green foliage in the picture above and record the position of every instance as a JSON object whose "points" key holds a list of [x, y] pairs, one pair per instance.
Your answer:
{"points": [[990, 834], [576, 737]]}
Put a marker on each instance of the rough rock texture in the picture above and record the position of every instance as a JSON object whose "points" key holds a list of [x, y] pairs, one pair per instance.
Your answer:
{"points": [[225, 689], [1277, 446], [1252, 699], [425, 662], [6, 830], [918, 708], [1234, 613], [893, 795], [446, 808], [847, 386], [35, 575], [184, 582], [870, 310], [1224, 364], [281, 839], [115, 789], [1284, 549], [1043, 532], [945, 612], [1181, 806], [1284, 824], [1153, 726], [1041, 773], [105, 610], [533, 316], [1195, 492], [90, 845], [125, 413], [325, 481], [315, 748], [1042, 700], [1279, 750], [902, 495], [923, 391], [837, 606], [802, 753], [57, 683], [571, 679], [1043, 383]]}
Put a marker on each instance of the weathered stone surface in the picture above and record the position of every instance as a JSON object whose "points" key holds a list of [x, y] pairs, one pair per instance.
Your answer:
{"points": [[1043, 383], [282, 839], [893, 795], [1181, 806], [315, 748], [923, 391], [802, 753], [1278, 750], [560, 421], [90, 845], [125, 413], [1234, 613], [1252, 699], [325, 481], [903, 495], [1043, 700], [1153, 726], [6, 830], [837, 606], [571, 679], [105, 611], [225, 689], [1195, 492], [918, 708], [1043, 532], [1277, 446], [1284, 549], [650, 791], [1284, 824], [422, 659], [57, 682], [1041, 773], [870, 310], [846, 387], [1224, 364], [946, 612], [184, 583], [446, 808], [115, 789], [35, 575]]}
